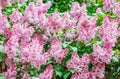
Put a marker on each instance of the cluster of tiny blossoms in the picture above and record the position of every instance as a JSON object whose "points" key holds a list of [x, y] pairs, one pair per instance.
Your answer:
{"points": [[26, 46]]}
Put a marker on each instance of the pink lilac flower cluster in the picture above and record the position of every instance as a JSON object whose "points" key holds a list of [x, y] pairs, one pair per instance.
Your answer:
{"points": [[11, 46], [34, 12], [108, 5], [15, 17], [23, 32], [87, 29], [25, 45], [86, 26], [47, 74], [111, 5], [78, 64], [119, 31], [33, 52], [11, 72], [5, 3], [116, 9], [98, 58], [109, 32], [101, 54], [3, 23], [85, 74], [56, 50]]}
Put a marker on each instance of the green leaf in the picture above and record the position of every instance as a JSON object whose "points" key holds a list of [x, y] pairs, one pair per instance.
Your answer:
{"points": [[74, 48], [2, 77], [39, 31], [117, 51], [115, 59], [33, 72], [2, 39], [47, 46], [90, 65], [35, 78], [65, 44], [72, 71], [42, 68], [1, 49], [58, 67], [66, 75], [2, 55], [58, 73], [99, 1], [114, 16]]}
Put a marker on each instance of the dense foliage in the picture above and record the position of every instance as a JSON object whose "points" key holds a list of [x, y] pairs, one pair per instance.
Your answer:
{"points": [[59, 39]]}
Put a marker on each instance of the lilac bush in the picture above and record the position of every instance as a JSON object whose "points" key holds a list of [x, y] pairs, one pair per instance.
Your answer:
{"points": [[69, 45]]}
